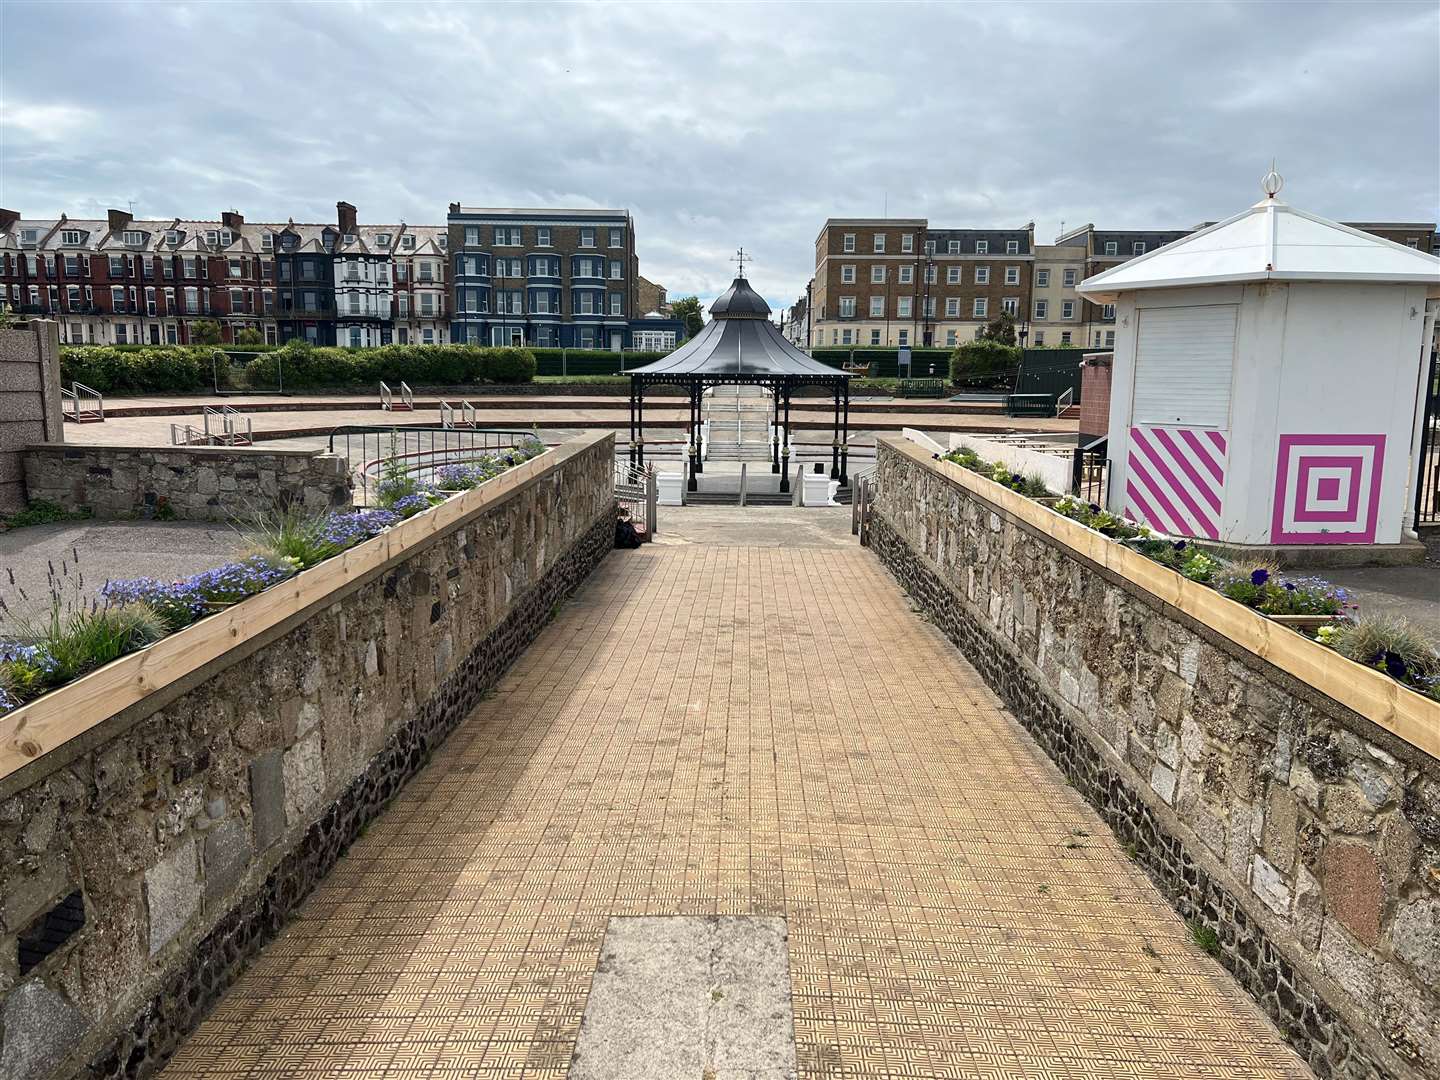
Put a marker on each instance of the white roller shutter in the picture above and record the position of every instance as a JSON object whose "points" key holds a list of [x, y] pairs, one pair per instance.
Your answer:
{"points": [[1183, 361]]}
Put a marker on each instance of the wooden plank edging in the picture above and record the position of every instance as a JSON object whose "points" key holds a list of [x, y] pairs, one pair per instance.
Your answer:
{"points": [[1405, 713], [29, 732]]}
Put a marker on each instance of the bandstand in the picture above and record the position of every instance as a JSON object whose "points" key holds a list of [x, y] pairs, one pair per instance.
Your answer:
{"points": [[740, 346]]}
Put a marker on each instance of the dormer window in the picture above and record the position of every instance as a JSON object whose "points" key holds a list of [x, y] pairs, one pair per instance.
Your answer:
{"points": [[1138, 247], [267, 241], [226, 238], [212, 236], [982, 247], [172, 237], [71, 236], [1012, 247], [131, 237], [349, 238], [1112, 247], [382, 239], [407, 241], [29, 236], [441, 240]]}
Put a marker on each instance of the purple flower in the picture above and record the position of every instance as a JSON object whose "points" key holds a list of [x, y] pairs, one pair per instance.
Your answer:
{"points": [[1180, 545], [236, 580], [33, 656], [1395, 665], [1289, 586], [177, 602], [411, 505], [1259, 577], [347, 530], [1094, 508]]}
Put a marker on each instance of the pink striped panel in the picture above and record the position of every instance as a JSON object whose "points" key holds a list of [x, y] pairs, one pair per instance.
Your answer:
{"points": [[1176, 480]]}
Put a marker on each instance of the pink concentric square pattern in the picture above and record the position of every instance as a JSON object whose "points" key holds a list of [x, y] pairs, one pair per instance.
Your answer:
{"points": [[1327, 489]]}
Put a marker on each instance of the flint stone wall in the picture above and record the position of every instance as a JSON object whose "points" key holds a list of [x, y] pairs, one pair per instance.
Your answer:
{"points": [[194, 483], [193, 824], [29, 400], [1304, 836]]}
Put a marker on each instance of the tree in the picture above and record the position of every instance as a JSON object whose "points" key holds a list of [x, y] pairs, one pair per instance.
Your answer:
{"points": [[205, 332], [1001, 329], [687, 310], [983, 359], [249, 336]]}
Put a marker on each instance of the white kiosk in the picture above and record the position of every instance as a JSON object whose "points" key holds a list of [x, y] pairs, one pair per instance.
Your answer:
{"points": [[1267, 381]]}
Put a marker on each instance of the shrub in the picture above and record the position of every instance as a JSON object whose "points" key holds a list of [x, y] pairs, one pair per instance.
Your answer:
{"points": [[508, 365], [43, 512], [981, 358], [158, 369]]}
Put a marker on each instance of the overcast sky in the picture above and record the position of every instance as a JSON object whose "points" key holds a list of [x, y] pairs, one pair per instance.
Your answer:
{"points": [[719, 125]]}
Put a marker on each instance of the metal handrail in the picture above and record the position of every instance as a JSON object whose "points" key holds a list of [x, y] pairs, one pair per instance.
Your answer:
{"points": [[407, 395], [78, 396], [1065, 400]]}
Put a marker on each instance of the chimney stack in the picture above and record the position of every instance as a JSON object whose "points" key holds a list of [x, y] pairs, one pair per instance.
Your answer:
{"points": [[232, 219], [8, 218], [118, 219], [345, 214]]}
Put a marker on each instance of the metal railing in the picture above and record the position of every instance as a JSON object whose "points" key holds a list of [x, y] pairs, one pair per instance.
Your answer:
{"points": [[187, 435], [226, 426], [637, 490], [417, 453], [82, 404], [388, 402], [1064, 401], [1090, 473], [1427, 490], [458, 416]]}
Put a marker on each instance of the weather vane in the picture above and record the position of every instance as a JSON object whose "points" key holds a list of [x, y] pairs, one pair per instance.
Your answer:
{"points": [[1272, 182], [739, 261]]}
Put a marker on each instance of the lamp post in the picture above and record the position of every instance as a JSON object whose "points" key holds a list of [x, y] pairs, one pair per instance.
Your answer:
{"points": [[1023, 333]]}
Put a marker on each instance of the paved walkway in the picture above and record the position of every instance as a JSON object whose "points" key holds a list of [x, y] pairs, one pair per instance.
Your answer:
{"points": [[711, 728]]}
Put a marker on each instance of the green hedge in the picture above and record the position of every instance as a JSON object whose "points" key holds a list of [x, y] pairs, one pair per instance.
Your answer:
{"points": [[307, 367], [149, 369], [981, 358], [140, 369]]}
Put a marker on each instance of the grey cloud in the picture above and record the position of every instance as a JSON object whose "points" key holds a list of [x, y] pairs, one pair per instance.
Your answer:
{"points": [[721, 125]]}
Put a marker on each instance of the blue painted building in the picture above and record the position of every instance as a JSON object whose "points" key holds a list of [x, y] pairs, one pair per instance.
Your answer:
{"points": [[549, 279]]}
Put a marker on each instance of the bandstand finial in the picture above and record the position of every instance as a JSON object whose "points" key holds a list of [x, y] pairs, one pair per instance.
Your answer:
{"points": [[739, 261], [1272, 182]]}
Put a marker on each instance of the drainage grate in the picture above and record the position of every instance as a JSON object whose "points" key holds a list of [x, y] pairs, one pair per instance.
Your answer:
{"points": [[51, 930]]}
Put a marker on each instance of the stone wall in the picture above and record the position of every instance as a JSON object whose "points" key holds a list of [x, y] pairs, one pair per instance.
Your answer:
{"points": [[180, 834], [189, 483], [29, 400], [1306, 838]]}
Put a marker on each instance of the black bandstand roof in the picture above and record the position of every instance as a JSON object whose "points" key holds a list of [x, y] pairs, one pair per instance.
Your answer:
{"points": [[739, 344]]}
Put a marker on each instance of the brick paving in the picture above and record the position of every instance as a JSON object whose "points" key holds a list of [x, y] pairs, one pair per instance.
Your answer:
{"points": [[954, 909]]}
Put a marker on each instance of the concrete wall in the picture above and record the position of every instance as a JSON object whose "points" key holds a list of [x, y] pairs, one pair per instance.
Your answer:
{"points": [[1055, 469], [1306, 837], [188, 827], [29, 400], [196, 483]]}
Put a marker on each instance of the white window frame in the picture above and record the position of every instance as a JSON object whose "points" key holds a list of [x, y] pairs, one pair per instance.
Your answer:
{"points": [[952, 307], [953, 275], [877, 274], [587, 238], [907, 275], [1010, 305], [1067, 309], [1012, 247], [907, 242], [1042, 310], [982, 275], [847, 307], [1112, 247], [878, 240], [849, 243], [1012, 275], [877, 307], [982, 247], [904, 307], [617, 238], [980, 309], [542, 236], [1069, 277], [1137, 248], [952, 247], [847, 274], [1042, 278]]}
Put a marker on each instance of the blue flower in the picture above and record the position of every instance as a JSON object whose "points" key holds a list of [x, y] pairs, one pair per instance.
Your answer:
{"points": [[1259, 577], [1395, 665], [411, 505], [1180, 545]]}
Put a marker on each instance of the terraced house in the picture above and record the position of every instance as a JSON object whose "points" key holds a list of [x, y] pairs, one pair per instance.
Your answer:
{"points": [[549, 278], [899, 282]]}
